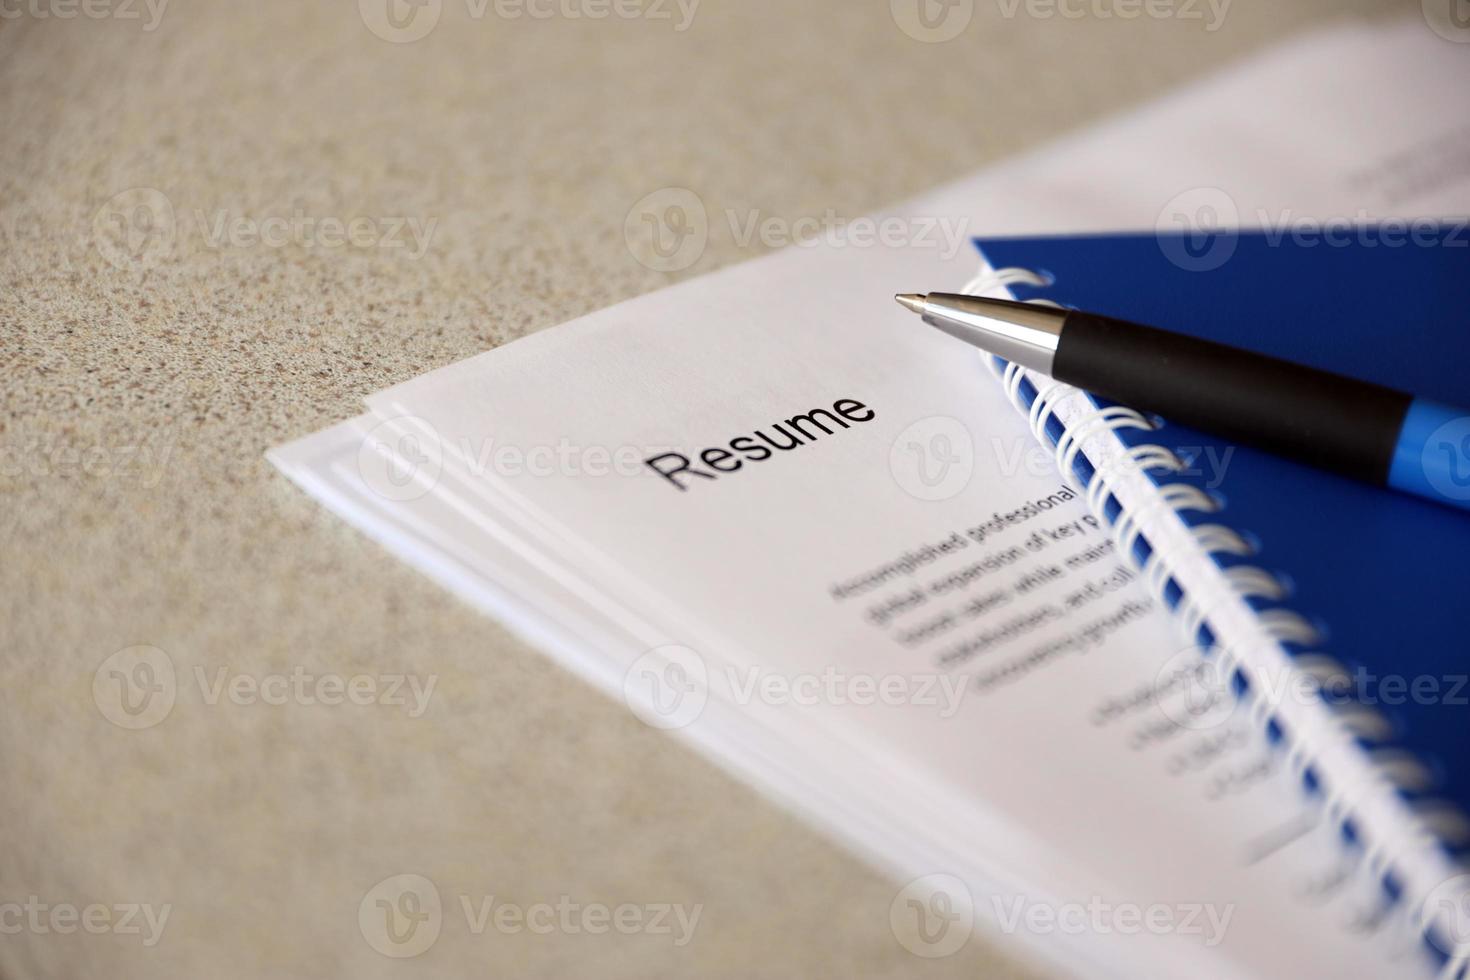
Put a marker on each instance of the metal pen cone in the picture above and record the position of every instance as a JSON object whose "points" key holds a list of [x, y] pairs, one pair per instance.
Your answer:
{"points": [[1021, 332]]}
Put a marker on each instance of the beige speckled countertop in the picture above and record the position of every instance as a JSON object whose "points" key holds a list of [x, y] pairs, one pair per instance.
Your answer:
{"points": [[147, 367]]}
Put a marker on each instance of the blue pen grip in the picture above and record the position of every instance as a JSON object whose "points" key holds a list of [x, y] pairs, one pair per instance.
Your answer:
{"points": [[1432, 456]]}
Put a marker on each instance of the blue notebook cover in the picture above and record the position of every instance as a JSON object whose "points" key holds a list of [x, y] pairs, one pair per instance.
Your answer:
{"points": [[1385, 577]]}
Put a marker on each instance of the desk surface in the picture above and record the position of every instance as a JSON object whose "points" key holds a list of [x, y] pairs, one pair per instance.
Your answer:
{"points": [[148, 365]]}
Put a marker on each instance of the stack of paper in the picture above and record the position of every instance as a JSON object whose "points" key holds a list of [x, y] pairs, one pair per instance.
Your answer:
{"points": [[779, 517]]}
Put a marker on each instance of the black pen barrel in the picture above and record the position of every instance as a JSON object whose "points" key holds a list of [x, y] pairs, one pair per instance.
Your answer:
{"points": [[1337, 423]]}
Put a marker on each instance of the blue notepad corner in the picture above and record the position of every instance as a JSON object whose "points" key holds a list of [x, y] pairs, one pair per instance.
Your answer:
{"points": [[1385, 577]]}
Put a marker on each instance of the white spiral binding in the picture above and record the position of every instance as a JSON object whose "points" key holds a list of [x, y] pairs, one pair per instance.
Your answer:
{"points": [[1393, 769]]}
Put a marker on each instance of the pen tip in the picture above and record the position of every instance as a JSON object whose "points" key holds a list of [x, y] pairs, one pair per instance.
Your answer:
{"points": [[912, 301]]}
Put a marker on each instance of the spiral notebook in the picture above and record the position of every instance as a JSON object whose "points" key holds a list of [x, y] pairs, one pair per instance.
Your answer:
{"points": [[1365, 587], [770, 513]]}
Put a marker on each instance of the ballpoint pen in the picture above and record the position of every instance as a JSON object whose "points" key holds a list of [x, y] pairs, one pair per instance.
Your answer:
{"points": [[1353, 427]]}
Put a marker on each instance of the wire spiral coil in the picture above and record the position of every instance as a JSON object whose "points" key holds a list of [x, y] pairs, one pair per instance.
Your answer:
{"points": [[1433, 822]]}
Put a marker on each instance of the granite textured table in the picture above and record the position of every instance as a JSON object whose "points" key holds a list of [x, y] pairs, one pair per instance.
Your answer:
{"points": [[221, 225]]}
